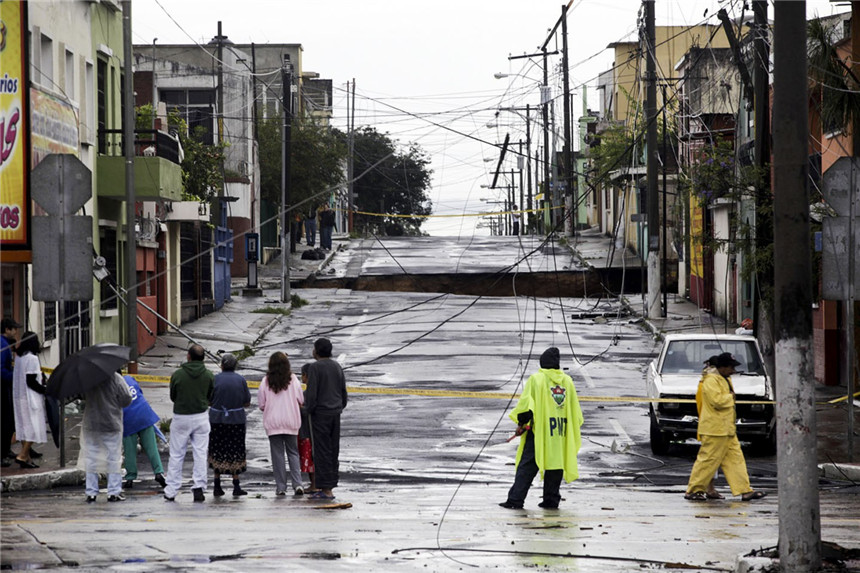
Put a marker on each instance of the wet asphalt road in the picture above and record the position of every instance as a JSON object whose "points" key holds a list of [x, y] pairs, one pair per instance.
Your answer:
{"points": [[425, 472]]}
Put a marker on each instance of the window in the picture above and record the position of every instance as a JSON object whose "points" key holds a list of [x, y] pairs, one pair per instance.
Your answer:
{"points": [[50, 325], [46, 61], [101, 104], [197, 108], [107, 247], [70, 76], [89, 103]]}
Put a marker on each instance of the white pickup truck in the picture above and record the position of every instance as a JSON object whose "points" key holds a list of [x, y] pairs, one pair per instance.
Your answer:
{"points": [[676, 372]]}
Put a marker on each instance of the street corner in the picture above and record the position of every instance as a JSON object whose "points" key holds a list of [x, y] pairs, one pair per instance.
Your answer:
{"points": [[46, 479]]}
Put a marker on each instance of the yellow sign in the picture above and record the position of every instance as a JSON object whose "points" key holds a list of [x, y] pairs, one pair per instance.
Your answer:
{"points": [[14, 129], [697, 233]]}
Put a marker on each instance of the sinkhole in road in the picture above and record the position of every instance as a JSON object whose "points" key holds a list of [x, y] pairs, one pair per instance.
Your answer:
{"points": [[588, 283]]}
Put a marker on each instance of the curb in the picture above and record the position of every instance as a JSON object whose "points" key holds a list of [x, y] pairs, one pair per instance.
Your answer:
{"points": [[842, 472], [44, 480]]}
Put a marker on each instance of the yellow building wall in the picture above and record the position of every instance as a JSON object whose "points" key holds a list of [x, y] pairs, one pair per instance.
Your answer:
{"points": [[672, 43]]}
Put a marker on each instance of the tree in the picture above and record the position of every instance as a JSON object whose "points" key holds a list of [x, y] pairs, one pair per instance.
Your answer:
{"points": [[202, 176], [390, 183], [316, 164]]}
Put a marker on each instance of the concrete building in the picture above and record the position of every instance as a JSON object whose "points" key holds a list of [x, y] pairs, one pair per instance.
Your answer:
{"points": [[74, 93]]}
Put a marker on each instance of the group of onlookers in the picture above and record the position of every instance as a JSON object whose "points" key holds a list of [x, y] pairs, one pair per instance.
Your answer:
{"points": [[305, 223], [303, 428], [209, 414]]}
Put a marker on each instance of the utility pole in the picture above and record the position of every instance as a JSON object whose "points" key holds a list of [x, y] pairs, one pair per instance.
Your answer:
{"points": [[762, 316], [665, 248], [286, 234], [652, 307], [154, 89], [528, 206], [219, 205], [799, 510], [256, 120], [130, 199], [520, 161], [350, 122], [545, 98], [567, 150]]}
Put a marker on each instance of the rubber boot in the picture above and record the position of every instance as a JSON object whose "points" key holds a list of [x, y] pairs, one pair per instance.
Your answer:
{"points": [[238, 491], [217, 491]]}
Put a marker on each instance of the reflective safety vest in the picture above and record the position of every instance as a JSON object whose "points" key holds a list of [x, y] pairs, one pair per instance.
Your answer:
{"points": [[556, 421]]}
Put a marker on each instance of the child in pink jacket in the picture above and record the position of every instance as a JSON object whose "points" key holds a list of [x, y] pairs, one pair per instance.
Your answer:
{"points": [[280, 397]]}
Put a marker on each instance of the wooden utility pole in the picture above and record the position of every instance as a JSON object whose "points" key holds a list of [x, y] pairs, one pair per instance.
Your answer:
{"points": [[799, 510], [652, 304]]}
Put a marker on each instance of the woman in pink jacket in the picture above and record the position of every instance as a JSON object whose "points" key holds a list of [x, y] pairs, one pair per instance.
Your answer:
{"points": [[280, 397]]}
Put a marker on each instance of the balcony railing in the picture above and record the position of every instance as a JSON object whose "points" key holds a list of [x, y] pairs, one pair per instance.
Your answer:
{"points": [[157, 173], [147, 143]]}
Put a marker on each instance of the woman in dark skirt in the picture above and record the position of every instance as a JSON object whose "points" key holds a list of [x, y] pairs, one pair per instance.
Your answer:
{"points": [[227, 420]]}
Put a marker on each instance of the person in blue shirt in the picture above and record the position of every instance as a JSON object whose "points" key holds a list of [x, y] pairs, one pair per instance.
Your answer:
{"points": [[138, 421], [8, 339]]}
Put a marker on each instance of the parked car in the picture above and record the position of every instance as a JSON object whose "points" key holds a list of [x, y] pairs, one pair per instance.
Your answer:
{"points": [[676, 372]]}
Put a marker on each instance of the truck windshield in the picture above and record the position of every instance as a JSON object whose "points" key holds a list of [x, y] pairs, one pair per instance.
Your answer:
{"points": [[688, 356]]}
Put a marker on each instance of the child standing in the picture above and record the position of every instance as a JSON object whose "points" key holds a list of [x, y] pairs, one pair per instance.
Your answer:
{"points": [[138, 423], [280, 398], [305, 444]]}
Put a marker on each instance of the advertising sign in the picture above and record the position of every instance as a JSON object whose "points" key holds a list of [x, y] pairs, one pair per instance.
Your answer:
{"points": [[54, 126], [14, 133]]}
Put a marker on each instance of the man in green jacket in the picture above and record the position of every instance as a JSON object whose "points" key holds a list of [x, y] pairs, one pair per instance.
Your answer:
{"points": [[191, 388], [549, 415]]}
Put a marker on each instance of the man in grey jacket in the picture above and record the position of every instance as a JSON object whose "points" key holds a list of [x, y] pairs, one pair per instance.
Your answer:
{"points": [[101, 435], [325, 399]]}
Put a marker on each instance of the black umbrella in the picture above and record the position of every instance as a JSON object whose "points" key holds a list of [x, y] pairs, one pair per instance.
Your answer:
{"points": [[86, 369]]}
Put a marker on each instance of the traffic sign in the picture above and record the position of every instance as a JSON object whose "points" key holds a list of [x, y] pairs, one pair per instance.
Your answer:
{"points": [[61, 184]]}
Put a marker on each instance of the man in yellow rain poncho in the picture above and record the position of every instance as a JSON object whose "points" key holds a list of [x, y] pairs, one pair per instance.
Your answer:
{"points": [[548, 414], [718, 433]]}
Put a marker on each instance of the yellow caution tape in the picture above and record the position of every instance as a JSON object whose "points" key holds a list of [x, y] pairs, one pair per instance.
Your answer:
{"points": [[464, 394], [480, 214], [842, 398]]}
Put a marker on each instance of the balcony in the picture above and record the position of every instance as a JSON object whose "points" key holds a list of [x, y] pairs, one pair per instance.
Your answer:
{"points": [[157, 174]]}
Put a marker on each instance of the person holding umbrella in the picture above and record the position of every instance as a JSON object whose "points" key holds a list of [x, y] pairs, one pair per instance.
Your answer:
{"points": [[92, 371], [101, 435]]}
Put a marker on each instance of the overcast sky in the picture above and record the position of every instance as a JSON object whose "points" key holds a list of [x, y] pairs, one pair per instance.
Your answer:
{"points": [[424, 70]]}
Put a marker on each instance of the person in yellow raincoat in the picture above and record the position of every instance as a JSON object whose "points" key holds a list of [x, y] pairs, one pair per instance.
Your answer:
{"points": [[720, 447], [549, 417]]}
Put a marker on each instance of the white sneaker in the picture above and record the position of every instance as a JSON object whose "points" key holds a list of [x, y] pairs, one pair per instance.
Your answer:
{"points": [[300, 491]]}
